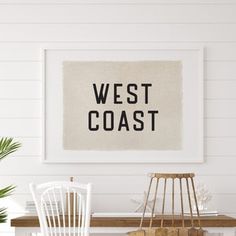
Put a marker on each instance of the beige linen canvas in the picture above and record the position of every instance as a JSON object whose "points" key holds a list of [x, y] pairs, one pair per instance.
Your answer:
{"points": [[111, 105]]}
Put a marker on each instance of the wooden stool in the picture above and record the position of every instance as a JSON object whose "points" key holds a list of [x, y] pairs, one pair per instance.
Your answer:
{"points": [[171, 231]]}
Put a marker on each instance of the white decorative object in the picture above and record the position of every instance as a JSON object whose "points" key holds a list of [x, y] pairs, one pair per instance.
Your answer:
{"points": [[141, 203], [203, 197]]}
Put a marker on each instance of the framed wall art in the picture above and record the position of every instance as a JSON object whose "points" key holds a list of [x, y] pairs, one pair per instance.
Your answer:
{"points": [[136, 105]]}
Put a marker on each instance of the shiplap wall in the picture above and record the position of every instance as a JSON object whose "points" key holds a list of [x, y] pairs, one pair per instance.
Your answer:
{"points": [[27, 24]]}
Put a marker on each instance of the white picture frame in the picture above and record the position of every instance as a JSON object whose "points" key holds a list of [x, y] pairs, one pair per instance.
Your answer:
{"points": [[192, 59]]}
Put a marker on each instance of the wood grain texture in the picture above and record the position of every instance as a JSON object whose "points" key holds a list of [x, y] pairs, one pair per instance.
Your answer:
{"points": [[211, 221]]}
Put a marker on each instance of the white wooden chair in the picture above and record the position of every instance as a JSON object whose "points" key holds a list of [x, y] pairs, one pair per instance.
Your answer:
{"points": [[63, 208]]}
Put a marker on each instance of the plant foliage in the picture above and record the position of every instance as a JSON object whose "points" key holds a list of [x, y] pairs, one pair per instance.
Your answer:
{"points": [[7, 146], [3, 215]]}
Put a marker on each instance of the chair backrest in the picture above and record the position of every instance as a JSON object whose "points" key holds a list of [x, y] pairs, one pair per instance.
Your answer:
{"points": [[63, 208], [155, 179]]}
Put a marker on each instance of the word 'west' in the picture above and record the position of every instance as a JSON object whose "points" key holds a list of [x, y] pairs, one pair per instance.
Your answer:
{"points": [[122, 120]]}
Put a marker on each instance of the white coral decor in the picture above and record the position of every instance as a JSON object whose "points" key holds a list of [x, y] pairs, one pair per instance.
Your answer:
{"points": [[203, 197]]}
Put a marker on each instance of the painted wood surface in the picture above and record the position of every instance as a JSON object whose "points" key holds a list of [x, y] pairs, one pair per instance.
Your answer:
{"points": [[27, 25]]}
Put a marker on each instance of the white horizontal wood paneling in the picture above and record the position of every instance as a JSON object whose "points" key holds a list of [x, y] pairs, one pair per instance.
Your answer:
{"points": [[28, 25], [33, 167], [114, 201], [31, 147], [220, 89], [20, 70], [25, 108], [117, 2], [111, 184], [26, 51], [113, 14], [117, 32], [21, 127], [220, 127], [220, 51], [220, 146], [220, 108], [221, 70], [30, 69], [217, 147], [20, 90]]}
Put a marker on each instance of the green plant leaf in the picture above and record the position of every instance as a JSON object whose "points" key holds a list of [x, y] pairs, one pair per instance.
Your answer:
{"points": [[3, 215], [7, 191], [8, 146]]}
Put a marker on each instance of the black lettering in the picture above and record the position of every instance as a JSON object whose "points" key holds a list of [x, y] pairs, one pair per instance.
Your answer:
{"points": [[101, 96], [123, 121], [116, 95], [134, 95], [153, 113], [105, 118], [138, 128], [90, 120], [146, 86]]}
